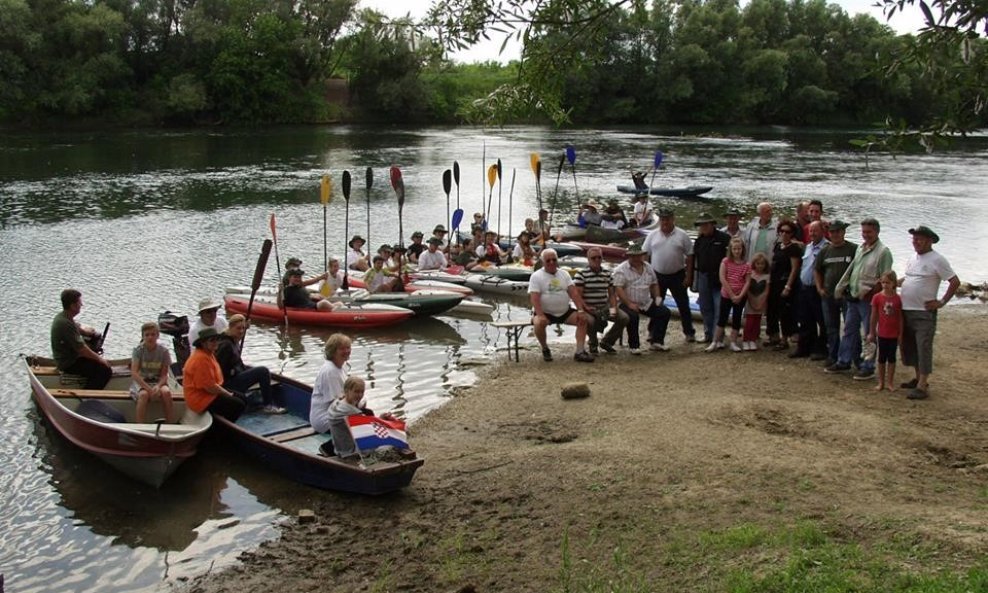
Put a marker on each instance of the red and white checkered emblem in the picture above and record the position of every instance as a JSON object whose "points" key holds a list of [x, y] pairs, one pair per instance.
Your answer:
{"points": [[380, 430]]}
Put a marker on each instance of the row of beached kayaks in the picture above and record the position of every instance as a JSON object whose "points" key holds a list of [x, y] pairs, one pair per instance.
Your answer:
{"points": [[102, 423]]}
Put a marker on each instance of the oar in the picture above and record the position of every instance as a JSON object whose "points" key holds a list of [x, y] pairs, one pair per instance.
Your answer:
{"points": [[262, 262], [369, 176], [555, 192], [491, 176], [655, 167], [277, 262], [456, 178], [500, 187], [325, 195], [536, 162], [571, 157], [346, 233], [511, 194], [399, 186], [483, 171], [447, 185]]}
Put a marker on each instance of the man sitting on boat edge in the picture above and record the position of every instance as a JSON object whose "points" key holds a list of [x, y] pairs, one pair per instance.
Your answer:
{"points": [[69, 349]]}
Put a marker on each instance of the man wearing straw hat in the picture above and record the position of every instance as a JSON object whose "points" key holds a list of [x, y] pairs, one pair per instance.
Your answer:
{"points": [[208, 317]]}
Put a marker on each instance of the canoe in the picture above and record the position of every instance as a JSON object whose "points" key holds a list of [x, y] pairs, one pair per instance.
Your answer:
{"points": [[694, 307], [436, 300], [356, 280], [287, 444], [496, 285], [351, 316], [691, 191], [101, 422], [610, 252], [438, 276]]}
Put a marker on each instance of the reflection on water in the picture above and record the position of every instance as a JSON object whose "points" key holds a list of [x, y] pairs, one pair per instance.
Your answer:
{"points": [[144, 222]]}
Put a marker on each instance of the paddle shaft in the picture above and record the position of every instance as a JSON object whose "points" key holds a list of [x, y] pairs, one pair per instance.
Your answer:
{"points": [[277, 263], [511, 194], [262, 262]]}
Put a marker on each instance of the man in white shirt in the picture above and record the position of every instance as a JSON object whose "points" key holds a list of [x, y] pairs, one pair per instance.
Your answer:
{"points": [[924, 273], [550, 290], [432, 258], [208, 317], [670, 253], [638, 292]]}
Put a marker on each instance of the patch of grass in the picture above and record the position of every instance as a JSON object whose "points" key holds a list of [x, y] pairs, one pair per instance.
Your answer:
{"points": [[741, 537], [615, 575]]}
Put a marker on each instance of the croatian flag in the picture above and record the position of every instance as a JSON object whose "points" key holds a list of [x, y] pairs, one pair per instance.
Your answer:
{"points": [[371, 432]]}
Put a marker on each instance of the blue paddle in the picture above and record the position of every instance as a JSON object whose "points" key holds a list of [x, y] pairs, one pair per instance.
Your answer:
{"points": [[655, 166]]}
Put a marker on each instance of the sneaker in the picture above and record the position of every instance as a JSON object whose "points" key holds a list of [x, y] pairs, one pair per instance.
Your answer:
{"points": [[917, 393], [607, 348], [273, 409], [864, 375], [635, 351], [711, 347], [735, 347], [583, 357], [838, 367], [546, 355], [657, 347], [829, 362]]}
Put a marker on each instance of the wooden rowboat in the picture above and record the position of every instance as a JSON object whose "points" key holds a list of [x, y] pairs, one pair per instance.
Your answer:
{"points": [[101, 422]]}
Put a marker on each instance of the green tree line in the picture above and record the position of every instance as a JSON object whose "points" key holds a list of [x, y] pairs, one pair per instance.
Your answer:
{"points": [[792, 62]]}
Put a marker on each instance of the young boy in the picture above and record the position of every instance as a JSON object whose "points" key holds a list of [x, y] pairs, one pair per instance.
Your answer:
{"points": [[149, 370], [340, 409], [886, 329]]}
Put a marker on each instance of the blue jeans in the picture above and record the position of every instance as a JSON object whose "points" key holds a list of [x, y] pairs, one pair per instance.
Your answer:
{"points": [[674, 283], [812, 329], [856, 320], [833, 311], [243, 381], [658, 322], [709, 288]]}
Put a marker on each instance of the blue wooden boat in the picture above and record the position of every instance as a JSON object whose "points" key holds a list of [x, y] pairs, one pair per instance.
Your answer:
{"points": [[287, 443], [692, 191]]}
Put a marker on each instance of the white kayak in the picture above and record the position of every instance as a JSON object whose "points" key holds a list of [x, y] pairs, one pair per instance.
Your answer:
{"points": [[496, 285]]}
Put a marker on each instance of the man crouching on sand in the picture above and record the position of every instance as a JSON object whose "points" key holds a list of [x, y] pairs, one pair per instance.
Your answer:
{"points": [[551, 290]]}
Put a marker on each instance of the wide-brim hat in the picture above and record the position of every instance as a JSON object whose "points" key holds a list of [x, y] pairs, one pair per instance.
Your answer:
{"points": [[207, 304], [704, 218], [439, 229], [732, 212], [666, 213], [295, 272], [293, 261], [418, 234], [925, 231], [435, 241], [837, 225], [635, 250], [207, 333], [592, 204], [355, 239], [384, 247]]}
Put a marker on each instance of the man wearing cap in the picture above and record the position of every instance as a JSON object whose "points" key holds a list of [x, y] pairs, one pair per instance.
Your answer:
{"points": [[440, 233], [809, 306], [417, 247], [356, 259], [208, 317], [733, 226], [432, 258], [709, 249], [858, 284], [925, 270], [550, 290], [830, 265], [613, 217], [297, 296], [637, 290], [670, 253], [69, 349], [759, 236], [202, 380], [597, 291]]}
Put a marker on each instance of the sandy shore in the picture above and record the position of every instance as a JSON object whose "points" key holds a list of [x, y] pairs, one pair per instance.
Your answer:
{"points": [[523, 491]]}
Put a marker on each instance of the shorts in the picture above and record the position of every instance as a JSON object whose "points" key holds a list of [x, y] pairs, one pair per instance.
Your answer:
{"points": [[919, 328], [135, 387], [887, 348], [558, 320]]}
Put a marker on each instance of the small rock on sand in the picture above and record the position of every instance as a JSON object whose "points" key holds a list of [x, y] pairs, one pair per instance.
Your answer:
{"points": [[575, 391]]}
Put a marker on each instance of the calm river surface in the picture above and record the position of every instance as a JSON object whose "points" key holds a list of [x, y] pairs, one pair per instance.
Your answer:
{"points": [[142, 222]]}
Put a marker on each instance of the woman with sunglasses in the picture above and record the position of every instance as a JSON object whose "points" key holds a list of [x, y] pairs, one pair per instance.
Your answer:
{"points": [[787, 257]]}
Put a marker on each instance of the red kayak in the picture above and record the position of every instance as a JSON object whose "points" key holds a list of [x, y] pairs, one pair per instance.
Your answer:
{"points": [[351, 316]]}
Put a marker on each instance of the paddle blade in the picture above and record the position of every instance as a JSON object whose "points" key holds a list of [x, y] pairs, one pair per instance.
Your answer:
{"points": [[274, 235], [262, 262], [346, 185], [456, 173], [399, 185], [491, 175], [499, 168], [658, 158], [562, 161], [457, 218], [447, 181], [325, 190], [536, 164], [538, 172], [395, 174], [570, 154], [369, 176], [324, 289]]}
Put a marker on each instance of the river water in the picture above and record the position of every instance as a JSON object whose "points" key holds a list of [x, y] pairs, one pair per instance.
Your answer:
{"points": [[143, 222]]}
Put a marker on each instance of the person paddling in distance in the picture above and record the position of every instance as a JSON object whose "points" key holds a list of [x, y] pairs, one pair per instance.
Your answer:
{"points": [[550, 290], [433, 258], [886, 329], [69, 349], [356, 258], [298, 296], [522, 252], [149, 364]]}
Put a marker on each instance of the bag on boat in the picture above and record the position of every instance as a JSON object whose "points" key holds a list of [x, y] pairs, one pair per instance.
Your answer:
{"points": [[94, 409]]}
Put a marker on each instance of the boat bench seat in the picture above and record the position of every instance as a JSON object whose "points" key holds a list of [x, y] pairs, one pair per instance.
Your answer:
{"points": [[291, 435], [101, 393], [513, 330], [166, 429], [43, 371]]}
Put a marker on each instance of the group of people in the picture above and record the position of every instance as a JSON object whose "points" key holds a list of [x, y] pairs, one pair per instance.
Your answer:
{"points": [[833, 300]]}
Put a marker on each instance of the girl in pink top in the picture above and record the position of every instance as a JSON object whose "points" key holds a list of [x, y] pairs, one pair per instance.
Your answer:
{"points": [[734, 279], [886, 329]]}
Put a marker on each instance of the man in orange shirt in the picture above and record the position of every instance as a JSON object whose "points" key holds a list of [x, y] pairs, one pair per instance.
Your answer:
{"points": [[202, 380]]}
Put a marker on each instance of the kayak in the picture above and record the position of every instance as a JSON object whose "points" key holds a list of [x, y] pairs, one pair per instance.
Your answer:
{"points": [[517, 272], [423, 303], [356, 280], [562, 248], [362, 315], [691, 191], [496, 285], [610, 252]]}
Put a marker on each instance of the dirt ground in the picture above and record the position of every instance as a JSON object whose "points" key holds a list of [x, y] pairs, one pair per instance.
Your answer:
{"points": [[519, 484]]}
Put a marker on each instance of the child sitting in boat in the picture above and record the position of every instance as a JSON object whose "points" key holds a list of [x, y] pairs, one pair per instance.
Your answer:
{"points": [[380, 279], [149, 370], [343, 407], [523, 252]]}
